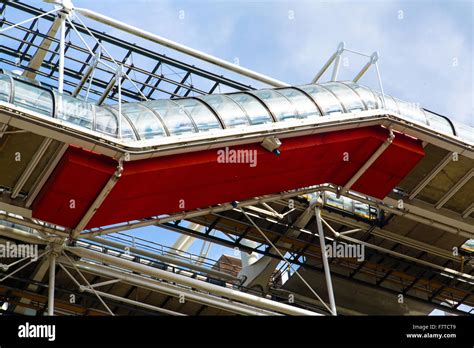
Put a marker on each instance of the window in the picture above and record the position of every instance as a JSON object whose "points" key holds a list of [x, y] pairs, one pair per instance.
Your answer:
{"points": [[302, 103], [105, 121], [326, 101], [203, 117], [349, 99], [364, 93], [175, 118], [5, 88], [279, 105], [144, 120], [74, 110], [254, 109], [227, 109], [33, 98]]}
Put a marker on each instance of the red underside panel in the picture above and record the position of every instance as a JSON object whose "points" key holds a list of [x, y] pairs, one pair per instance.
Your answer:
{"points": [[162, 185]]}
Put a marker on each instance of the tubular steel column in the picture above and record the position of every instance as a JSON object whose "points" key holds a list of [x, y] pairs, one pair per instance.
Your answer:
{"points": [[327, 271], [62, 47], [52, 275]]}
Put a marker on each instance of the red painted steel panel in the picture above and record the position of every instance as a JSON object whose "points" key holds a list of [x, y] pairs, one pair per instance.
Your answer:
{"points": [[157, 186]]}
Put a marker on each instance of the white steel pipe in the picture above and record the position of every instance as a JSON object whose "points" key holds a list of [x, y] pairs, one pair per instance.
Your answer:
{"points": [[132, 302], [167, 259], [194, 283], [179, 47], [62, 47], [52, 276], [369, 162], [171, 290], [200, 212], [327, 271]]}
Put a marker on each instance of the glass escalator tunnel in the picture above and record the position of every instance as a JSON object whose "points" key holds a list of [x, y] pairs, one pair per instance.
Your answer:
{"points": [[209, 113]]}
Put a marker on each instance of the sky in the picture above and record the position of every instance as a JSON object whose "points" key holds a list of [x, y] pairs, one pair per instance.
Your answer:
{"points": [[425, 47]]}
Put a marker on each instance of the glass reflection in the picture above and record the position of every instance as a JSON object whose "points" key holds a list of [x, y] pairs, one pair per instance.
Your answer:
{"points": [[301, 102], [202, 116], [5, 88], [326, 101], [105, 121], [280, 107], [438, 123], [176, 120], [74, 110], [349, 99], [254, 109], [145, 121], [33, 98], [229, 111]]}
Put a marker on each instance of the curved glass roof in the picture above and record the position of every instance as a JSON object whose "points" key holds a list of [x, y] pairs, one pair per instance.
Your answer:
{"points": [[163, 118]]}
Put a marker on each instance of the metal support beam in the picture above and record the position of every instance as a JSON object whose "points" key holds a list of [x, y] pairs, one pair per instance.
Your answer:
{"points": [[284, 259], [427, 179], [171, 290], [180, 48], [86, 75], [132, 302], [194, 283], [335, 70], [368, 163], [38, 185], [30, 167], [164, 258], [468, 211], [38, 58], [52, 276], [373, 59], [324, 256], [62, 48], [199, 212], [99, 200], [455, 188], [325, 67]]}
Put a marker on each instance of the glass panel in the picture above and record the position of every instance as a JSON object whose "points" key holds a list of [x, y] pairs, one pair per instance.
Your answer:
{"points": [[390, 103], [228, 110], [326, 101], [362, 209], [334, 201], [468, 246], [303, 105], [349, 99], [464, 131], [439, 123], [255, 110], [145, 121], [411, 110], [74, 110], [174, 117], [105, 121], [127, 130], [364, 93], [280, 107], [33, 98], [5, 88], [202, 116]]}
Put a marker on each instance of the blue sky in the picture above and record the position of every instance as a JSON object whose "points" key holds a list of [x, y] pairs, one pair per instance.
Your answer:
{"points": [[426, 47]]}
